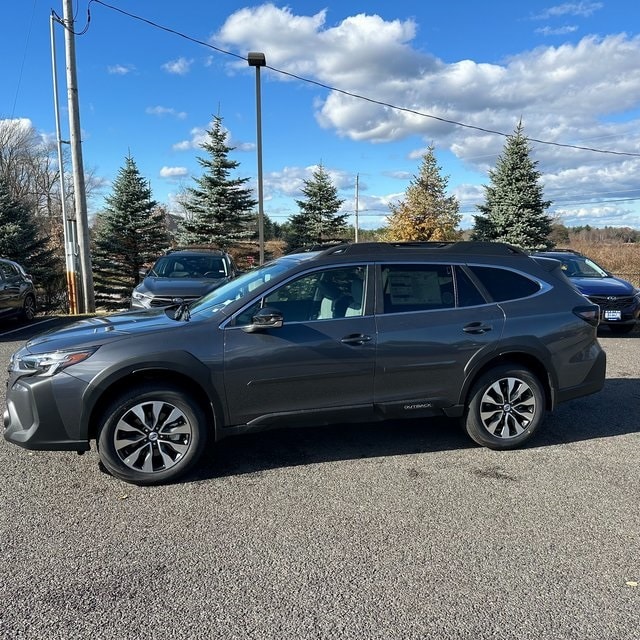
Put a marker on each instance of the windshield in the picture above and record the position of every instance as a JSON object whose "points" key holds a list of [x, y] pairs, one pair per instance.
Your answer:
{"points": [[239, 288], [189, 266], [582, 268]]}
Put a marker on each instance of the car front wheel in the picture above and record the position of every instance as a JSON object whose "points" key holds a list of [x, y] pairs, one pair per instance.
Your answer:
{"points": [[152, 434], [506, 406]]}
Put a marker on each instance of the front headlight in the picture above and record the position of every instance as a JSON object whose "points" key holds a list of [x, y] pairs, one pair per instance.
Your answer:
{"points": [[137, 295], [48, 364]]}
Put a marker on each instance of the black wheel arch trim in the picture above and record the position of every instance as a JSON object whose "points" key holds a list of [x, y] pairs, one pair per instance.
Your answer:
{"points": [[177, 365], [521, 353]]}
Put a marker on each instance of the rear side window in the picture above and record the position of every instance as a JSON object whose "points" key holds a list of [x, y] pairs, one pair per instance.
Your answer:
{"points": [[468, 294], [503, 284], [417, 287]]}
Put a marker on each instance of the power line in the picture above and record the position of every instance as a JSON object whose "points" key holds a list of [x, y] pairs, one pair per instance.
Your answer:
{"points": [[349, 93], [24, 57]]}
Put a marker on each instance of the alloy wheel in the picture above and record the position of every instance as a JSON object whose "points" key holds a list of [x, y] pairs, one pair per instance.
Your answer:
{"points": [[507, 408], [152, 436]]}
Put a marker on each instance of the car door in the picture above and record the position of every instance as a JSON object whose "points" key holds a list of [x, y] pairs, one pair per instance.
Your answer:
{"points": [[431, 323], [318, 366], [9, 290]]}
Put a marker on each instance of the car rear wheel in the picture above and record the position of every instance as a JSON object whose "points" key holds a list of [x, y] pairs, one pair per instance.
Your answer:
{"points": [[28, 308], [152, 434], [506, 406]]}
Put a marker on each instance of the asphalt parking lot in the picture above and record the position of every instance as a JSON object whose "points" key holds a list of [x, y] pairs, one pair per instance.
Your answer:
{"points": [[401, 530]]}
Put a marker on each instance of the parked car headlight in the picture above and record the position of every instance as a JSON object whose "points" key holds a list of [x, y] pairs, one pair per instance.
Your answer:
{"points": [[142, 297], [48, 364]]}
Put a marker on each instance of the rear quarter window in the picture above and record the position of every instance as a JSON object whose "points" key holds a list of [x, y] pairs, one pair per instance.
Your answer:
{"points": [[503, 284]]}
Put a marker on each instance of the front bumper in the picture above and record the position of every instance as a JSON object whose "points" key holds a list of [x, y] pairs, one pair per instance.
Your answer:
{"points": [[35, 419], [617, 310]]}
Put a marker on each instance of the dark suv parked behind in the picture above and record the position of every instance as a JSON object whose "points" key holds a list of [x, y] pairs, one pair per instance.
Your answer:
{"points": [[361, 332], [182, 276], [17, 293]]}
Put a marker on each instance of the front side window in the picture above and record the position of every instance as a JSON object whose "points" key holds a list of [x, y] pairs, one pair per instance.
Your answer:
{"points": [[321, 295]]}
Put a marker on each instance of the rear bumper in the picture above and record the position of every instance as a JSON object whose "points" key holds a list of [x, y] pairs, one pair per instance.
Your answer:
{"points": [[592, 383]]}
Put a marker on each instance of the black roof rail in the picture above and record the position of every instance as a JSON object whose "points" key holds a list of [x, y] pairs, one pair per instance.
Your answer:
{"points": [[194, 248], [319, 246], [476, 248], [560, 251]]}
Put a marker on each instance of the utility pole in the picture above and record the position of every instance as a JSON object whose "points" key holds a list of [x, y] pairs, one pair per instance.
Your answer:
{"points": [[80, 196], [357, 199], [68, 225]]}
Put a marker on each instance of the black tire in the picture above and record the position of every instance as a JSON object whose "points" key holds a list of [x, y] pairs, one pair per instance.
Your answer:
{"points": [[152, 434], [621, 329], [28, 312], [506, 406]]}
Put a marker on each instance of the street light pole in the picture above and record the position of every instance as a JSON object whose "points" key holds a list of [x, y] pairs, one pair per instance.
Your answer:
{"points": [[357, 204], [257, 60]]}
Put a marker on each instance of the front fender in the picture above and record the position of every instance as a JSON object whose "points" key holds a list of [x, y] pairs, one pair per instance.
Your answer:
{"points": [[176, 364]]}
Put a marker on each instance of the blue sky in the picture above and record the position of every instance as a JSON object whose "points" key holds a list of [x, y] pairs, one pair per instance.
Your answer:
{"points": [[570, 70]]}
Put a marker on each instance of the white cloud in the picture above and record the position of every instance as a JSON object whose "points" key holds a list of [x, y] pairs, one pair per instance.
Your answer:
{"points": [[583, 9], [180, 67], [558, 31], [399, 175], [565, 87], [120, 69], [199, 136], [166, 111], [583, 92], [290, 180], [23, 124], [174, 172]]}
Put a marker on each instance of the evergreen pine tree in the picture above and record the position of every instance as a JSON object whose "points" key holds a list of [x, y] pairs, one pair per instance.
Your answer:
{"points": [[426, 213], [318, 219], [130, 233], [20, 241], [514, 209], [220, 210]]}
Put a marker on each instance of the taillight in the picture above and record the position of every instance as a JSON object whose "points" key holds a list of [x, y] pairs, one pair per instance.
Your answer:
{"points": [[589, 313]]}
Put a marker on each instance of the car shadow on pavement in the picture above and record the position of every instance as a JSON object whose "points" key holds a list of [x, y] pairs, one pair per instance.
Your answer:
{"points": [[582, 419]]}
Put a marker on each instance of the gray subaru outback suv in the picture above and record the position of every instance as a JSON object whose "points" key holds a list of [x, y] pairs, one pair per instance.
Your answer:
{"points": [[480, 332]]}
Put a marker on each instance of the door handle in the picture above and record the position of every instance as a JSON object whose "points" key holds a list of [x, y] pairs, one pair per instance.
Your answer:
{"points": [[477, 327], [356, 339]]}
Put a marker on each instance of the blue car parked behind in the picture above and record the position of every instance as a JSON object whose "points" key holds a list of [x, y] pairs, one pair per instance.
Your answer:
{"points": [[618, 299]]}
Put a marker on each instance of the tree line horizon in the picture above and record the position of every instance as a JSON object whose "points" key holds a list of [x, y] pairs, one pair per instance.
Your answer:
{"points": [[219, 210]]}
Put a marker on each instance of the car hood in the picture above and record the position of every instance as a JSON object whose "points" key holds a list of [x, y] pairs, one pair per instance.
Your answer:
{"points": [[603, 286], [179, 287], [98, 330]]}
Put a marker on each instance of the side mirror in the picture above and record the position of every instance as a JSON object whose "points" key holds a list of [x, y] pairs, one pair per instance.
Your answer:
{"points": [[266, 318], [143, 273]]}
